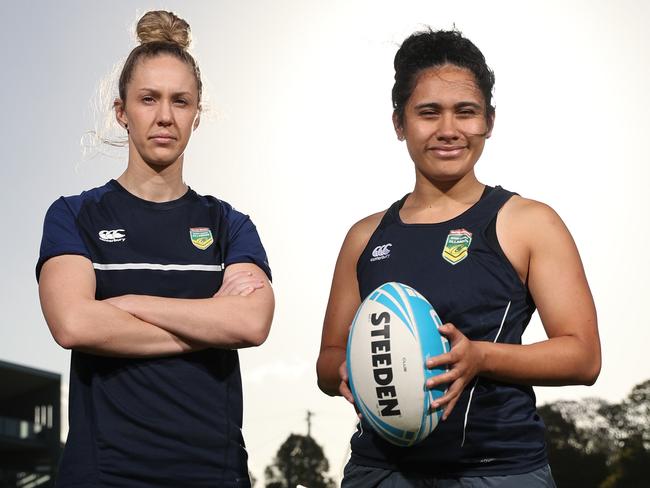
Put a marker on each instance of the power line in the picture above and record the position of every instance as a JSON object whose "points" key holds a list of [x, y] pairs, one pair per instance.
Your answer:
{"points": [[309, 416]]}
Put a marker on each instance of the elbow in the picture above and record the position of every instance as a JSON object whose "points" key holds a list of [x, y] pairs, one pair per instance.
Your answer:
{"points": [[257, 325], [321, 384], [588, 379], [325, 383], [591, 373], [322, 387], [326, 388], [256, 331], [77, 330], [258, 337], [592, 365], [66, 334], [583, 363], [64, 339], [586, 369]]}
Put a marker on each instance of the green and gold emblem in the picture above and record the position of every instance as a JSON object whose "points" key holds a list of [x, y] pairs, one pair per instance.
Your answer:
{"points": [[457, 246], [201, 237]]}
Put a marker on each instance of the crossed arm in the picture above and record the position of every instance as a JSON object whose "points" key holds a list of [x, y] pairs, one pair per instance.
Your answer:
{"points": [[239, 315]]}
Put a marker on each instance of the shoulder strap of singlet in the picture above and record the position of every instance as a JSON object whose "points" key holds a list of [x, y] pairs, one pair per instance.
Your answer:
{"points": [[501, 197], [392, 214], [491, 201]]}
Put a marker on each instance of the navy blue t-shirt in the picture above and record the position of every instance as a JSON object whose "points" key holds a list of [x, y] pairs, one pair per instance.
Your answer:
{"points": [[460, 268], [169, 421]]}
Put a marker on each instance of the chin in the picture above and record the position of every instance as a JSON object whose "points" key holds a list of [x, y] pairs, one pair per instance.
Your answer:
{"points": [[445, 178], [160, 162], [162, 158], [448, 173]]}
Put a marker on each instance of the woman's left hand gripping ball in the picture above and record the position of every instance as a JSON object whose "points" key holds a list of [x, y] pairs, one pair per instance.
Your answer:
{"points": [[464, 362]]}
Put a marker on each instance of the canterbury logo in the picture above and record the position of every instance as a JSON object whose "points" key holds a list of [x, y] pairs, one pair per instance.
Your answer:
{"points": [[381, 252], [117, 235]]}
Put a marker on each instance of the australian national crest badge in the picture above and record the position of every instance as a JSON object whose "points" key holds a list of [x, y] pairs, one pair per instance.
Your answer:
{"points": [[457, 246], [201, 237]]}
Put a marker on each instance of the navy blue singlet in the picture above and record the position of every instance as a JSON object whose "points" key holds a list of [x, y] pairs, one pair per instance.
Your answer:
{"points": [[153, 422], [460, 268]]}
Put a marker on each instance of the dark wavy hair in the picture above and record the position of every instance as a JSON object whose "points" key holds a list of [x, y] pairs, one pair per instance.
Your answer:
{"points": [[428, 49]]}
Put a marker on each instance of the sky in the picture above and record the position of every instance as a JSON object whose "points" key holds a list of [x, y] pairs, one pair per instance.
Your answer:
{"points": [[298, 134]]}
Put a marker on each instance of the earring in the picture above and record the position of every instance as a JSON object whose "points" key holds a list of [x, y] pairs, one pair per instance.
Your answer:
{"points": [[126, 126]]}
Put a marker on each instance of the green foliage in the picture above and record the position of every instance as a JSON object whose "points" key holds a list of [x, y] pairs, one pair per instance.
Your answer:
{"points": [[300, 460], [592, 443], [631, 465], [571, 463]]}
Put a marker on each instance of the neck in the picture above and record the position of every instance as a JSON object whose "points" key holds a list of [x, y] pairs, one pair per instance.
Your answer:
{"points": [[440, 201], [429, 193], [154, 183]]}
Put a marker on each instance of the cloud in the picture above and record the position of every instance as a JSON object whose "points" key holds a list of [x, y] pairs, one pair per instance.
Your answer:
{"points": [[281, 370]]}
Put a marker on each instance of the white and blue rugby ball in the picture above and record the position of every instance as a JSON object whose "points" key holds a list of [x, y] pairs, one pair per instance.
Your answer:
{"points": [[393, 333]]}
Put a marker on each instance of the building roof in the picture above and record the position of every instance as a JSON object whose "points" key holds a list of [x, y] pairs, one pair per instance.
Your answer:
{"points": [[16, 379]]}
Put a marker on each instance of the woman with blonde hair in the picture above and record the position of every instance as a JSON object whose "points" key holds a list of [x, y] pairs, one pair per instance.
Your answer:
{"points": [[153, 287]]}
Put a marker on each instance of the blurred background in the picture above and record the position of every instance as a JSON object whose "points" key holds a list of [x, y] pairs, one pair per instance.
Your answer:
{"points": [[298, 134]]}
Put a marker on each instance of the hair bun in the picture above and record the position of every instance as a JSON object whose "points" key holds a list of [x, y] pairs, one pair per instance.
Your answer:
{"points": [[163, 26]]}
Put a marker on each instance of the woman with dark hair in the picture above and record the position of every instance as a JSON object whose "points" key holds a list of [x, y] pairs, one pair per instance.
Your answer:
{"points": [[485, 258], [153, 287]]}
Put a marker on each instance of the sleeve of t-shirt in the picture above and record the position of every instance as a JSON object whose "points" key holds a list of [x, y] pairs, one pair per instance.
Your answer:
{"points": [[60, 233], [244, 244]]}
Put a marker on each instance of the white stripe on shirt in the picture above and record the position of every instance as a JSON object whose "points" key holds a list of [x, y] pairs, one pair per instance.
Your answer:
{"points": [[158, 267]]}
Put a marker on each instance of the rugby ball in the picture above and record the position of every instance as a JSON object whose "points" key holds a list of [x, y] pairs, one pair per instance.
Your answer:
{"points": [[394, 332]]}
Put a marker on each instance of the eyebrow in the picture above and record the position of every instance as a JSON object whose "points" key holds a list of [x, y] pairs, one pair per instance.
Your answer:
{"points": [[174, 94], [438, 106]]}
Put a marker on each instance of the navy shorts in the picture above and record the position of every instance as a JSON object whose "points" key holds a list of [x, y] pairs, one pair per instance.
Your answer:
{"points": [[356, 476]]}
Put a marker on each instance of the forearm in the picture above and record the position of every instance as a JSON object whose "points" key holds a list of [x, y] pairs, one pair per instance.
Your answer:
{"points": [[565, 360], [327, 369], [221, 321], [78, 321], [99, 328]]}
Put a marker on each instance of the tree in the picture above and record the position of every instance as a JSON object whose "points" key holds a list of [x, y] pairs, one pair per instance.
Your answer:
{"points": [[631, 466], [572, 462], [300, 460], [631, 418], [595, 443]]}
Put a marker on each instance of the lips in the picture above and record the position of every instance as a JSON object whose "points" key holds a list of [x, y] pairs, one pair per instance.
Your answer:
{"points": [[162, 138], [448, 152]]}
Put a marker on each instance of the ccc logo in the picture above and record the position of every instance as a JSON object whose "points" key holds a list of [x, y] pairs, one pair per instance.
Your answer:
{"points": [[380, 251], [112, 235]]}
